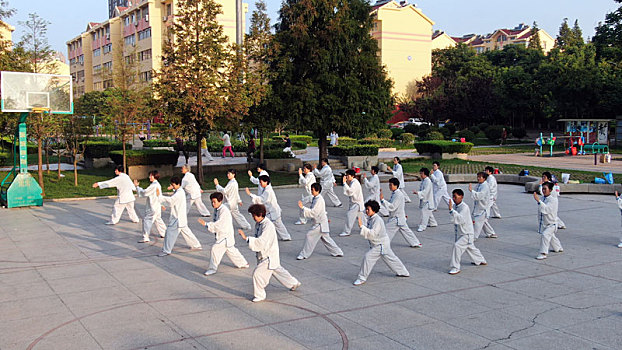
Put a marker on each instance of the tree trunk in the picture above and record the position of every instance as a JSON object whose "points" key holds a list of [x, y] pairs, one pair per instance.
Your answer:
{"points": [[124, 161], [58, 155], [322, 145], [47, 156], [261, 147], [40, 164], [75, 168], [199, 160]]}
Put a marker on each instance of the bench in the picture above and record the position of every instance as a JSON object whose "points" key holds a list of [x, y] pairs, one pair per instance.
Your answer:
{"points": [[596, 148]]}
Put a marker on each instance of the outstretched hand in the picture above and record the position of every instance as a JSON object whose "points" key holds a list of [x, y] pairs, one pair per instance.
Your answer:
{"points": [[449, 204], [248, 192], [299, 171], [241, 233], [300, 205], [201, 221], [216, 181], [250, 173], [135, 182], [360, 221], [470, 187], [381, 196], [170, 187], [617, 194], [536, 197], [95, 185]]}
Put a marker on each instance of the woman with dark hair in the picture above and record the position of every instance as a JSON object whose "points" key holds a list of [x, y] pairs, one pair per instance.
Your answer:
{"points": [[398, 173]]}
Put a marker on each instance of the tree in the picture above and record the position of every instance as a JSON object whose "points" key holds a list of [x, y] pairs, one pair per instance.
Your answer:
{"points": [[569, 37], [36, 44], [327, 70], [534, 39], [76, 130], [199, 83], [92, 104], [608, 36]]}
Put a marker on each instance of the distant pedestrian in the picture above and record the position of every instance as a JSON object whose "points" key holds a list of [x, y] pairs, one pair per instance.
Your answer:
{"points": [[226, 145], [180, 147], [504, 136], [334, 138], [538, 145], [288, 145], [250, 151], [204, 151]]}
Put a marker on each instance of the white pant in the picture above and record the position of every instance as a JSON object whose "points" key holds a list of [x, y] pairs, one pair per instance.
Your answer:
{"points": [[239, 218], [494, 209], [200, 206], [329, 192], [465, 244], [406, 198], [118, 208], [205, 153], [548, 238], [427, 218], [281, 230], [351, 217], [407, 233], [262, 275], [560, 223], [289, 150], [381, 251], [441, 194], [149, 220], [172, 232], [313, 236], [481, 225], [219, 249]]}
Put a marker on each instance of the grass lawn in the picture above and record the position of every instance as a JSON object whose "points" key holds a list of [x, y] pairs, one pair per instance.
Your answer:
{"points": [[34, 159], [64, 188], [459, 166]]}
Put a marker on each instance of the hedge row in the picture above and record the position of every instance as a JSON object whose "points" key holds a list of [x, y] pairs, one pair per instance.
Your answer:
{"points": [[158, 143], [384, 143], [145, 157], [274, 154], [347, 141], [101, 149], [357, 150], [303, 138], [438, 146]]}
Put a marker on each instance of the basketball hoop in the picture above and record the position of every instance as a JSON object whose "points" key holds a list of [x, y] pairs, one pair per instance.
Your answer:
{"points": [[40, 110]]}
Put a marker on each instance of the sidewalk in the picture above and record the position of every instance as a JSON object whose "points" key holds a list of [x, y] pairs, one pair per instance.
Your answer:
{"points": [[584, 163]]}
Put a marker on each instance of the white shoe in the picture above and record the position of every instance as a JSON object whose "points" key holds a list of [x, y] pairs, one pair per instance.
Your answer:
{"points": [[299, 223], [300, 257], [295, 286], [541, 257], [620, 245], [420, 229], [358, 282], [162, 236], [163, 254], [135, 222], [416, 246], [433, 225], [494, 235], [454, 271], [561, 250], [286, 239], [256, 300], [344, 234], [244, 266], [144, 241], [207, 216], [209, 272], [562, 227], [196, 248], [109, 223]]}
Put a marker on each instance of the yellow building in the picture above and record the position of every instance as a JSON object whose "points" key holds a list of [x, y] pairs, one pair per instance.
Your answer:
{"points": [[138, 32], [440, 40], [503, 37], [6, 33], [404, 37]]}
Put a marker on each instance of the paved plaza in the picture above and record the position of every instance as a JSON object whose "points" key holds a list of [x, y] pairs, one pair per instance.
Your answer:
{"points": [[67, 281]]}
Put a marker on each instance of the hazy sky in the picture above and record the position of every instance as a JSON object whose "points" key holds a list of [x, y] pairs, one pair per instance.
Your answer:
{"points": [[456, 17]]}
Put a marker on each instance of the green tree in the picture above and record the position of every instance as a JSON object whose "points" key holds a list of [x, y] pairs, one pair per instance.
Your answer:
{"points": [[608, 36], [534, 39], [36, 44], [92, 104], [76, 130], [569, 37]]}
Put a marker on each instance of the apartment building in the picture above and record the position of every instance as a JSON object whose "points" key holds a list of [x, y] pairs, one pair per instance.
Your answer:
{"points": [[6, 33], [501, 38]]}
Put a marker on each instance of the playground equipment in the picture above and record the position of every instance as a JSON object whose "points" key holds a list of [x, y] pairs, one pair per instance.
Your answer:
{"points": [[29, 93], [550, 142]]}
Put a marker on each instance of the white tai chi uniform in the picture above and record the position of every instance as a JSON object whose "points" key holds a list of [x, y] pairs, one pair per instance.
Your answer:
{"points": [[481, 204], [397, 219], [556, 192], [305, 181], [153, 213], [178, 222], [492, 185], [334, 138], [379, 247], [356, 206], [255, 180], [266, 246], [460, 216], [547, 225], [426, 204], [440, 187], [222, 226], [125, 197], [373, 186], [268, 198], [193, 190], [320, 230], [398, 173], [232, 197], [327, 180]]}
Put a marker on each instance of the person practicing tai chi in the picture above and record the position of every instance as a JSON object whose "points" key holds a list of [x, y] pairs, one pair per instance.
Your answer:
{"points": [[548, 177], [125, 196], [493, 212], [547, 221], [439, 185], [379, 245], [305, 179], [193, 190], [460, 215], [320, 230], [266, 246], [268, 198], [178, 220], [261, 169], [352, 189], [327, 180], [426, 201], [204, 151], [373, 186], [397, 215], [619, 200], [232, 196], [398, 173], [222, 227], [481, 204], [153, 213]]}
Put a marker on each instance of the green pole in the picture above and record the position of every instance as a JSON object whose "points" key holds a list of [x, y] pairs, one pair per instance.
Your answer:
{"points": [[551, 142], [541, 143]]}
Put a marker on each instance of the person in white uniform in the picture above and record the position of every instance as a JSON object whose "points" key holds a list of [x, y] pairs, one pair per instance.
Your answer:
{"points": [[547, 221], [222, 228], [460, 215], [261, 169], [153, 212], [353, 190], [305, 179], [178, 220], [619, 200], [379, 245], [492, 185], [316, 211], [397, 215], [125, 196], [426, 201], [440, 186], [264, 242], [232, 196], [373, 186], [481, 204], [268, 198], [548, 177], [327, 180], [193, 190], [334, 138], [398, 173]]}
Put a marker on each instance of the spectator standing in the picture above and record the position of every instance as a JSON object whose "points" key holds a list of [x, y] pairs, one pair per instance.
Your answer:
{"points": [[180, 147], [227, 145], [334, 138]]}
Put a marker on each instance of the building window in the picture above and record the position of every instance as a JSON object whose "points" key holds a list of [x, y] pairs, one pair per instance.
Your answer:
{"points": [[145, 76], [169, 9], [127, 21], [107, 48], [108, 83], [130, 40], [72, 61], [80, 76], [145, 13], [129, 59], [144, 34], [81, 59], [97, 86], [97, 69], [97, 52], [144, 55], [107, 66]]}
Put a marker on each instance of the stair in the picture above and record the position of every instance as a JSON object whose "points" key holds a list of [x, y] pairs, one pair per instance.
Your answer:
{"points": [[336, 164]]}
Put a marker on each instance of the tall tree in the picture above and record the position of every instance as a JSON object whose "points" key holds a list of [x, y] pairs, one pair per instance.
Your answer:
{"points": [[36, 44], [569, 37], [534, 39], [608, 36], [328, 72]]}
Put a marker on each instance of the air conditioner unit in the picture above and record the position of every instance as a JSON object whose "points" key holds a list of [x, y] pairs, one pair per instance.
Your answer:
{"points": [[135, 23], [147, 18], [107, 36], [133, 44], [164, 18]]}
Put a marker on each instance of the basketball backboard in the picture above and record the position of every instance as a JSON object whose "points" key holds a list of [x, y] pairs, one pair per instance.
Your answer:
{"points": [[21, 92]]}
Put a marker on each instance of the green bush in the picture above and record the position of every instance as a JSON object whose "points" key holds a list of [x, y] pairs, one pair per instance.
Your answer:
{"points": [[396, 133], [385, 133], [474, 129], [467, 134], [275, 154], [408, 138], [357, 150], [519, 133], [145, 157], [434, 135], [482, 126], [347, 141], [438, 146], [493, 132], [451, 127], [159, 143], [296, 145], [279, 145], [411, 128], [3, 157], [101, 149], [304, 138], [384, 143], [446, 133]]}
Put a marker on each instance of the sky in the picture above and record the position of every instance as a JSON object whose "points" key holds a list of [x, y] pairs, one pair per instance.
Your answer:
{"points": [[455, 17]]}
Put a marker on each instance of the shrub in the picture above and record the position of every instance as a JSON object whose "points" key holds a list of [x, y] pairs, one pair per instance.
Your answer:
{"points": [[482, 126], [438, 146], [493, 132], [145, 157], [304, 138], [358, 150], [434, 135], [279, 145], [451, 128], [467, 134], [299, 145], [275, 154], [408, 138], [347, 141], [411, 128], [446, 132], [100, 149], [3, 157], [519, 133], [384, 143], [474, 129], [396, 133], [385, 133], [159, 143]]}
